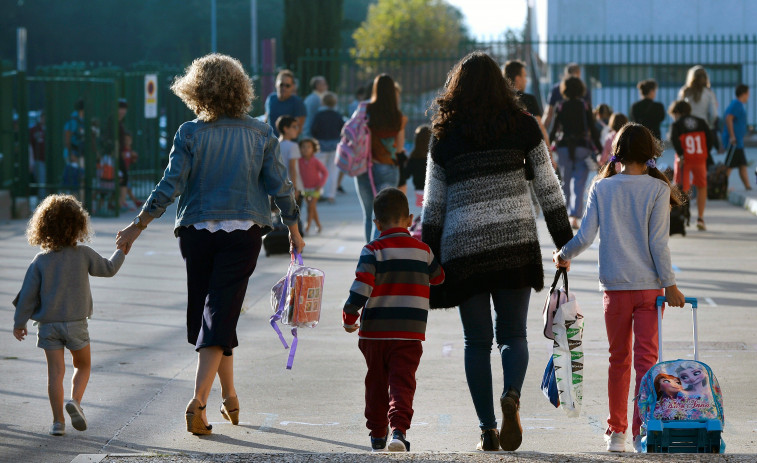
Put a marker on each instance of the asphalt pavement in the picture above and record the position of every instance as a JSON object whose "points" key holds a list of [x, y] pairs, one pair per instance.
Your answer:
{"points": [[143, 368]]}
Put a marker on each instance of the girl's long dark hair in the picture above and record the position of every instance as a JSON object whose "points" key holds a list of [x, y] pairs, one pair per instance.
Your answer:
{"points": [[634, 143], [383, 111], [478, 100]]}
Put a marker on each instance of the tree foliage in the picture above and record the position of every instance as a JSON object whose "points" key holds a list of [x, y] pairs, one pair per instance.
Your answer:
{"points": [[421, 25]]}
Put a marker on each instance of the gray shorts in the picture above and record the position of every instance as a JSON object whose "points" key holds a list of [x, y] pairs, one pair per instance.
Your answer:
{"points": [[57, 335]]}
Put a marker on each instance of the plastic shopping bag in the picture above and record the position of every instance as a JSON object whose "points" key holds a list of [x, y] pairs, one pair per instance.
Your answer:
{"points": [[568, 356], [296, 301], [549, 383]]}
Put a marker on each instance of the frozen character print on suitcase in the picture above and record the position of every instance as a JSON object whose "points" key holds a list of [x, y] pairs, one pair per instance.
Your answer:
{"points": [[694, 379], [680, 390]]}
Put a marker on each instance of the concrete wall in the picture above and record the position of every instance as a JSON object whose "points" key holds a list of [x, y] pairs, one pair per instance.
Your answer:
{"points": [[648, 17]]}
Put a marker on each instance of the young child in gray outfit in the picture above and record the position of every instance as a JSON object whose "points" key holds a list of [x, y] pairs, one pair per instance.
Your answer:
{"points": [[56, 295]]}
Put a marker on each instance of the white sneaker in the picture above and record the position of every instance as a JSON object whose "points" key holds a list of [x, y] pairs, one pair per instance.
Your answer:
{"points": [[637, 448], [77, 415], [58, 429], [616, 441]]}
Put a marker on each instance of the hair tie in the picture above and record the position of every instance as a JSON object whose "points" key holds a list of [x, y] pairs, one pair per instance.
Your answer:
{"points": [[651, 163], [614, 159]]}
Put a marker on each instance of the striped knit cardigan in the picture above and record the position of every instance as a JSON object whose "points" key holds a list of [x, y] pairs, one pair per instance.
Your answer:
{"points": [[477, 214]]}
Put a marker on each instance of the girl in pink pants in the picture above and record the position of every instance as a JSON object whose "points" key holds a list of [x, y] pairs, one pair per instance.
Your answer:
{"points": [[630, 210]]}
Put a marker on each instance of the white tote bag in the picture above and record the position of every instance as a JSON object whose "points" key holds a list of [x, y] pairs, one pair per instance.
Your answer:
{"points": [[568, 355]]}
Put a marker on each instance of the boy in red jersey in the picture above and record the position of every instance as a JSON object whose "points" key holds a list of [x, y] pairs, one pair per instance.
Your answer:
{"points": [[692, 142], [392, 285]]}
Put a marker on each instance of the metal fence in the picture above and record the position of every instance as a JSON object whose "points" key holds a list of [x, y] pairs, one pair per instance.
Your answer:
{"points": [[611, 66], [54, 91]]}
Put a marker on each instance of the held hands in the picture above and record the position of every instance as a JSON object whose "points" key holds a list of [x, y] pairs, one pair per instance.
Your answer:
{"points": [[126, 237], [20, 333], [559, 261], [674, 297]]}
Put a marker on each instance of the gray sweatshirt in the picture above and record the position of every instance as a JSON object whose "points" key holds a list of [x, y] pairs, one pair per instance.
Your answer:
{"points": [[632, 215], [56, 285]]}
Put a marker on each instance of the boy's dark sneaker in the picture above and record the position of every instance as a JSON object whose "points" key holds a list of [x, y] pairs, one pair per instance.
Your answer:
{"points": [[489, 441], [511, 434], [378, 444], [399, 443]]}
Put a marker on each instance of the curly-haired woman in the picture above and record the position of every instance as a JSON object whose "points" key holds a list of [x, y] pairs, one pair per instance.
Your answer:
{"points": [[223, 165], [478, 220]]}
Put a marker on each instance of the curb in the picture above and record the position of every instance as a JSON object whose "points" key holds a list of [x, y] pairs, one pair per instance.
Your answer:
{"points": [[741, 200], [431, 457]]}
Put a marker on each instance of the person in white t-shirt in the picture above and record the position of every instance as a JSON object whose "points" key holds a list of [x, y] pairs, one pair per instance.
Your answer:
{"points": [[289, 128]]}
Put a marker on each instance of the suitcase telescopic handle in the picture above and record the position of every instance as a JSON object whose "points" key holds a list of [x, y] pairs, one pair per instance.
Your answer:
{"points": [[688, 300]]}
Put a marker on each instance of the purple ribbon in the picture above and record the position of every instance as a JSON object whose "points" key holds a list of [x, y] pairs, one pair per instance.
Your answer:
{"points": [[296, 257], [614, 159], [651, 163], [290, 360]]}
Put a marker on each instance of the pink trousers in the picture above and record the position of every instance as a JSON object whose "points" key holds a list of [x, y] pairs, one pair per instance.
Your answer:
{"points": [[631, 322]]}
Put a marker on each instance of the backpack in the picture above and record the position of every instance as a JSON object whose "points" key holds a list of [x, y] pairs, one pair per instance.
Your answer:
{"points": [[680, 402], [296, 301], [353, 153], [684, 406]]}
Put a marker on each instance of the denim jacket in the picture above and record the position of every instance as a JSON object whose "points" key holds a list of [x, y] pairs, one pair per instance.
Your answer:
{"points": [[224, 170]]}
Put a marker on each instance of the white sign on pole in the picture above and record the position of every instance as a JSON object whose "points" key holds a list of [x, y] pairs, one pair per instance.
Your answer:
{"points": [[21, 49], [151, 96]]}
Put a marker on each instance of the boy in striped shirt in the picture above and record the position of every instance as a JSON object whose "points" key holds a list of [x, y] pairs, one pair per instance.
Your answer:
{"points": [[392, 285]]}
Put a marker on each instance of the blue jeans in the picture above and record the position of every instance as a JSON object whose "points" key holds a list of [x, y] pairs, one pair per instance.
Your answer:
{"points": [[510, 313], [574, 173], [384, 176]]}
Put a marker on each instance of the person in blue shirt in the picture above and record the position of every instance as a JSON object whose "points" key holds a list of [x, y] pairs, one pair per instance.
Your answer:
{"points": [[733, 134], [73, 134], [319, 87], [73, 149], [285, 102]]}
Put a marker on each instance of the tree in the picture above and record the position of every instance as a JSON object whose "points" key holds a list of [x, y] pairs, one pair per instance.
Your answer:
{"points": [[417, 25]]}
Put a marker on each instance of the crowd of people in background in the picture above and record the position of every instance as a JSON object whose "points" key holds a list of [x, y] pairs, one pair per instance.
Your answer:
{"points": [[582, 137], [579, 135]]}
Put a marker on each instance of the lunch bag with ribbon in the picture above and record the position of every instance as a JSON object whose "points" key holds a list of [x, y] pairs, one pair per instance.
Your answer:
{"points": [[296, 301]]}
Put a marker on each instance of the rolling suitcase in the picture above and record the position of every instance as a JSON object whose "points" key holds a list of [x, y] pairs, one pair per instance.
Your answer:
{"points": [[276, 241], [680, 402], [717, 181]]}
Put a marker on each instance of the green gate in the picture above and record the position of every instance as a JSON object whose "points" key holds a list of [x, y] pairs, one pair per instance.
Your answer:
{"points": [[99, 193], [14, 137]]}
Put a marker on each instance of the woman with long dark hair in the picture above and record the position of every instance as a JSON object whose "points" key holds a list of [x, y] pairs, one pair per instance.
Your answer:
{"points": [[577, 138], [386, 123], [479, 222]]}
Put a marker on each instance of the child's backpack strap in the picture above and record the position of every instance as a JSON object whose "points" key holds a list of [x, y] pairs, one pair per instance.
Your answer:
{"points": [[287, 284]]}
